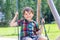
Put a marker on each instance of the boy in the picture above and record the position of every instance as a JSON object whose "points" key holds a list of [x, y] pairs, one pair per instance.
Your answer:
{"points": [[29, 28]]}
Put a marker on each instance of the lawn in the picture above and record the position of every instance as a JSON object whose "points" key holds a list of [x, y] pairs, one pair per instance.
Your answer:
{"points": [[8, 31], [52, 31]]}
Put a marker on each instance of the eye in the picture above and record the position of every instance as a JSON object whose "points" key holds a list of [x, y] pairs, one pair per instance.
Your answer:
{"points": [[29, 13]]}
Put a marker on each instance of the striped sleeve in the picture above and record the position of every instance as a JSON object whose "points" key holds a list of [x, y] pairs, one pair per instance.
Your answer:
{"points": [[36, 27], [18, 22]]}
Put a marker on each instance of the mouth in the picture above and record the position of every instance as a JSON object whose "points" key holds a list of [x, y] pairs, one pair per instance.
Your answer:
{"points": [[28, 17]]}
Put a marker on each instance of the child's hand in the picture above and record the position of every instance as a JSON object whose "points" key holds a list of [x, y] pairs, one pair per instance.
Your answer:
{"points": [[38, 32], [16, 14], [43, 21]]}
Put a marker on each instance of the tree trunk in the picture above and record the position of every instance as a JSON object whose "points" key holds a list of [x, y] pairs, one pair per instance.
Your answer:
{"points": [[38, 11]]}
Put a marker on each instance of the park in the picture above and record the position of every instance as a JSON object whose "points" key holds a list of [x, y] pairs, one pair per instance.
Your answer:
{"points": [[42, 9]]}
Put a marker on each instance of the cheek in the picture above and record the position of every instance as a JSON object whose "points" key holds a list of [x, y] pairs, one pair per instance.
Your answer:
{"points": [[28, 16], [25, 16], [31, 15]]}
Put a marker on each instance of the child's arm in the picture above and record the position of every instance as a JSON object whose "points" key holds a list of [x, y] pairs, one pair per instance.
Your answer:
{"points": [[40, 31], [13, 22], [41, 28]]}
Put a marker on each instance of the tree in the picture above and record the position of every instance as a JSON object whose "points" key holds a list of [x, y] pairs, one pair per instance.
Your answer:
{"points": [[9, 9]]}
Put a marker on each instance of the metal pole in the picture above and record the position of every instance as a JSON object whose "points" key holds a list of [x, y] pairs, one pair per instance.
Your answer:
{"points": [[17, 5], [54, 12], [17, 19], [45, 31]]}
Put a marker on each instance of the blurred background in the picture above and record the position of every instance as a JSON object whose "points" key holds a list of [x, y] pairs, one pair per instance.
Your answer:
{"points": [[9, 7]]}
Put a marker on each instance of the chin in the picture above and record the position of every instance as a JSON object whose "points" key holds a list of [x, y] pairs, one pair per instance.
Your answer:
{"points": [[28, 19]]}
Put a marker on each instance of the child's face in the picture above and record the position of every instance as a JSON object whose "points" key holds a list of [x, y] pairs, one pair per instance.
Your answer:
{"points": [[28, 15]]}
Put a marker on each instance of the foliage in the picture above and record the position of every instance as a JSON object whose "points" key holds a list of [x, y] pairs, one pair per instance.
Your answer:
{"points": [[8, 7]]}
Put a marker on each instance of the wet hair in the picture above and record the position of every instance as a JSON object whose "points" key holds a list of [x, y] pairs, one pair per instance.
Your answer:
{"points": [[28, 9]]}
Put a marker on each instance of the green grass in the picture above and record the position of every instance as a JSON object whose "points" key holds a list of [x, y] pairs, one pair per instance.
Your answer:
{"points": [[52, 31], [8, 31]]}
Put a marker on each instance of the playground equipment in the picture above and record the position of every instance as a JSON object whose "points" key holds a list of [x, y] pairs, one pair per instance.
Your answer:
{"points": [[17, 19], [54, 12]]}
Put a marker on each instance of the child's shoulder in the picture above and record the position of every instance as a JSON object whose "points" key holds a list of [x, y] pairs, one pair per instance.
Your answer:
{"points": [[34, 21], [20, 20]]}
